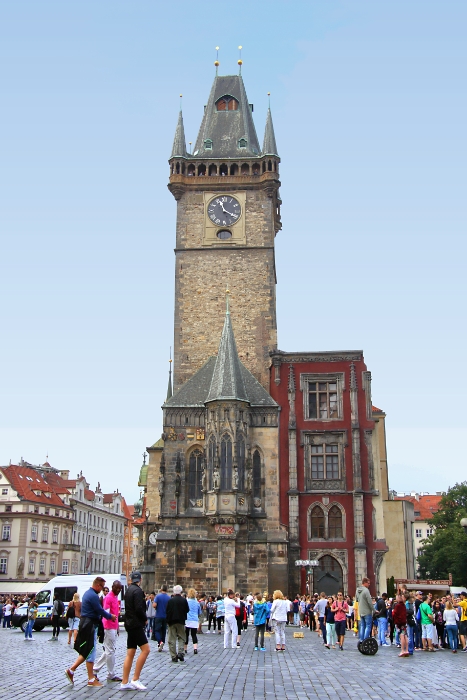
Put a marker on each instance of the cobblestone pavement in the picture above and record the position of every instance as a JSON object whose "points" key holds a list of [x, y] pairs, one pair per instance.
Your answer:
{"points": [[306, 669]]}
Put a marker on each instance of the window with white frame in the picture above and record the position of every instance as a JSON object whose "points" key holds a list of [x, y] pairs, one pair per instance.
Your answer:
{"points": [[418, 532], [322, 396], [3, 565], [55, 535], [45, 533], [4, 492], [52, 566], [6, 532], [34, 533], [65, 566], [429, 532], [32, 565], [42, 566]]}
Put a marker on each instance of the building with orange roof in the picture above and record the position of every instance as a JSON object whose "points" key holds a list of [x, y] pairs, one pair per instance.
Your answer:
{"points": [[424, 505]]}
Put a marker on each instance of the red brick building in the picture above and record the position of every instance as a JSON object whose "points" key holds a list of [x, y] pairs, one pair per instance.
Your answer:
{"points": [[331, 479]]}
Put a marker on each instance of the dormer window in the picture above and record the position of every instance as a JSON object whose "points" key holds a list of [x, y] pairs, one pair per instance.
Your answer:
{"points": [[208, 144], [242, 143], [227, 103]]}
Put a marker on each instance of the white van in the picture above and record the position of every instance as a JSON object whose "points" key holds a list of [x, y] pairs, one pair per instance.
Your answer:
{"points": [[65, 586]]}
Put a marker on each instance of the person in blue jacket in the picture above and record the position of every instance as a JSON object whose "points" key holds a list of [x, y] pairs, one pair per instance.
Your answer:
{"points": [[260, 613]]}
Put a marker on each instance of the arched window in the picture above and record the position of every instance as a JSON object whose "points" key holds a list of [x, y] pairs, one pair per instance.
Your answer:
{"points": [[256, 474], [242, 143], [234, 169], [226, 463], [208, 144], [245, 169], [223, 170], [241, 462], [269, 165], [317, 523], [191, 169], [201, 169], [213, 169], [256, 169], [335, 523], [227, 103], [195, 476], [211, 459], [177, 168]]}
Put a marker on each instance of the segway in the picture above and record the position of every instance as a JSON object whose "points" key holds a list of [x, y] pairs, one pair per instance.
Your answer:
{"points": [[368, 647]]}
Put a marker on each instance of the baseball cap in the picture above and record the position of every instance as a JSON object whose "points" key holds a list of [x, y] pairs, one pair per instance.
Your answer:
{"points": [[419, 593], [135, 576]]}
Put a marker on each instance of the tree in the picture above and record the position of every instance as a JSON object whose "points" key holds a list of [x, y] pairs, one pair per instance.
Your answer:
{"points": [[445, 551]]}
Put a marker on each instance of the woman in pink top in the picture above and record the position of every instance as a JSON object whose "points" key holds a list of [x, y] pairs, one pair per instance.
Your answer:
{"points": [[340, 608]]}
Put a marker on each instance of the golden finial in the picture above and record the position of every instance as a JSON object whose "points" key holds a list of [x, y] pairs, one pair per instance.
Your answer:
{"points": [[216, 62], [181, 102], [240, 62]]}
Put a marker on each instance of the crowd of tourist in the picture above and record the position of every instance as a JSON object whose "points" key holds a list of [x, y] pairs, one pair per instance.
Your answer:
{"points": [[411, 621]]}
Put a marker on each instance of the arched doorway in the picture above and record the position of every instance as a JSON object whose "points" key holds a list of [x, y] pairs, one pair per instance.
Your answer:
{"points": [[328, 576]]}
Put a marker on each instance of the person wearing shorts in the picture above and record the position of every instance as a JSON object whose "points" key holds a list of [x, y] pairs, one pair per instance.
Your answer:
{"points": [[135, 624], [399, 614]]}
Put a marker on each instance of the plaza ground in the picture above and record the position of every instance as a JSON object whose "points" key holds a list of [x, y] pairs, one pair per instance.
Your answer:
{"points": [[35, 670]]}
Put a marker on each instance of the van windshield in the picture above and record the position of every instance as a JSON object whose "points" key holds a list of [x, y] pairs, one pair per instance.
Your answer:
{"points": [[43, 597]]}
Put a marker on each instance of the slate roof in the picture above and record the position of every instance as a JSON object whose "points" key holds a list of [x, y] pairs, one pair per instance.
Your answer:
{"points": [[223, 377], [269, 143], [179, 145], [226, 128]]}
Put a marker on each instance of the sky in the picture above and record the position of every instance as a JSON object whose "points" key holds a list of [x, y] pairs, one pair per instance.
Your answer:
{"points": [[369, 107]]}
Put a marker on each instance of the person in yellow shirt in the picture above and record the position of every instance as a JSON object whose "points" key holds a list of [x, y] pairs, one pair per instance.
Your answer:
{"points": [[356, 617], [463, 621]]}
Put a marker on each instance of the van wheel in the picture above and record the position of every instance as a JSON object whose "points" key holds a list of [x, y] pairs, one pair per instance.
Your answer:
{"points": [[23, 624]]}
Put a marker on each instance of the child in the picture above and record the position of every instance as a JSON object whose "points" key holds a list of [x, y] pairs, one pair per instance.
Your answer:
{"points": [[260, 611]]}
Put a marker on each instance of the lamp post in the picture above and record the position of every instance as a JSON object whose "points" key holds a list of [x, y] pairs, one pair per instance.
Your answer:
{"points": [[464, 524]]}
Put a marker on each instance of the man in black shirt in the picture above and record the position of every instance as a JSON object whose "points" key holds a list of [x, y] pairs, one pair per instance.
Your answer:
{"points": [[135, 623]]}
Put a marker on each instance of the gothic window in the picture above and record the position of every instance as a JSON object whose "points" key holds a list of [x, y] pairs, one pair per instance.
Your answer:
{"points": [[227, 103], [256, 474], [335, 523], [241, 462], [317, 523], [211, 459], [226, 463], [195, 476]]}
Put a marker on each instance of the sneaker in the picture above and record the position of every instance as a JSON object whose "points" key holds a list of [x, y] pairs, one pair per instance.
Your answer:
{"points": [[180, 657], [256, 649], [69, 674], [126, 686], [263, 649], [138, 685], [95, 683], [115, 679], [238, 644], [195, 651], [464, 649]]}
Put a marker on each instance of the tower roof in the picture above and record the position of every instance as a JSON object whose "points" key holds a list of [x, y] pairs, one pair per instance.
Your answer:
{"points": [[227, 379], [224, 128], [269, 143], [179, 147]]}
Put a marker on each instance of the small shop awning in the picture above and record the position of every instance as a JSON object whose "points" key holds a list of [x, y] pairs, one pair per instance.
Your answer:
{"points": [[22, 588]]}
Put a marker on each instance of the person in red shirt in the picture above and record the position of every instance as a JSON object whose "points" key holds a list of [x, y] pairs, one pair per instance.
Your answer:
{"points": [[399, 615], [340, 608], [112, 605]]}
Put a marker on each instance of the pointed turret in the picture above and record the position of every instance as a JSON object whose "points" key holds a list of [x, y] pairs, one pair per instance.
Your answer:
{"points": [[169, 388], [269, 144], [227, 378], [227, 129], [179, 147]]}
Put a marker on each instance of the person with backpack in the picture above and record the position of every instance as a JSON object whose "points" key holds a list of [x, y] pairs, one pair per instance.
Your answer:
{"points": [[382, 619], [57, 611], [340, 608], [73, 615], [399, 614], [240, 616]]}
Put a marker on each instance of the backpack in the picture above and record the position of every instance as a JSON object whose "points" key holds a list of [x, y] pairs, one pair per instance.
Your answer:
{"points": [[70, 613], [61, 608]]}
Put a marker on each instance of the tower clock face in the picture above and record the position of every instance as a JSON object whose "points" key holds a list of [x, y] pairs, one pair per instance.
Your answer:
{"points": [[153, 538], [224, 210]]}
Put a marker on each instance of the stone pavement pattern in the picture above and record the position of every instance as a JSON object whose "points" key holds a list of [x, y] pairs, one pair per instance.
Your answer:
{"points": [[35, 670]]}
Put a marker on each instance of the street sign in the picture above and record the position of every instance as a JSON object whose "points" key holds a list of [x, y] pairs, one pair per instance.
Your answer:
{"points": [[306, 562]]}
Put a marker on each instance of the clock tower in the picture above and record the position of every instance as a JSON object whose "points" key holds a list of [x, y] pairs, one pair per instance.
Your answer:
{"points": [[228, 213]]}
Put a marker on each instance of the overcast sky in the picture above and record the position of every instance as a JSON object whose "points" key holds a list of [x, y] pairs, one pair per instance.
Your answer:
{"points": [[369, 107]]}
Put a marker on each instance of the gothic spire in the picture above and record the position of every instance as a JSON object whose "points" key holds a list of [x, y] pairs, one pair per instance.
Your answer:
{"points": [[269, 144], [169, 388], [179, 147], [227, 379]]}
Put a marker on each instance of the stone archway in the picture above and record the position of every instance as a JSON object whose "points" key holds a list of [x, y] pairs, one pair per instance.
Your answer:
{"points": [[329, 576]]}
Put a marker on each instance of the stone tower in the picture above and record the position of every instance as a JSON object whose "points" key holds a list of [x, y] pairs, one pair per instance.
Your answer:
{"points": [[228, 213]]}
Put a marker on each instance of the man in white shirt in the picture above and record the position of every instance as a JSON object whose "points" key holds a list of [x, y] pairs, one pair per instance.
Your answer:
{"points": [[320, 607], [230, 623]]}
